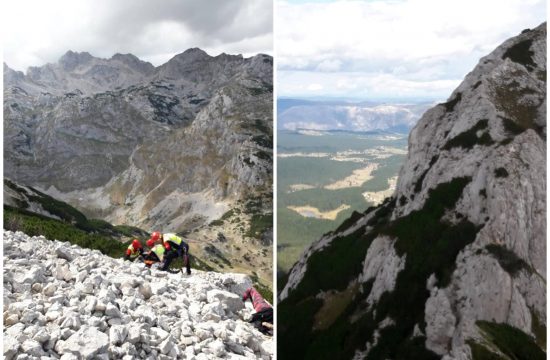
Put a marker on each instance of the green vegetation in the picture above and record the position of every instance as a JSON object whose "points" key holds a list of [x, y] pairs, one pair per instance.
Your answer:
{"points": [[195, 262], [450, 105], [480, 352], [539, 329], [34, 225], [501, 172], [259, 223], [349, 221], [469, 138], [72, 216], [521, 53], [263, 140], [264, 290], [430, 245], [420, 181], [296, 232], [256, 125], [229, 214], [521, 114], [511, 341], [131, 231], [511, 127], [217, 254], [425, 239], [507, 259]]}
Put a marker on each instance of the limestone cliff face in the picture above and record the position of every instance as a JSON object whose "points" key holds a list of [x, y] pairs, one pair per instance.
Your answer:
{"points": [[109, 133], [453, 265]]}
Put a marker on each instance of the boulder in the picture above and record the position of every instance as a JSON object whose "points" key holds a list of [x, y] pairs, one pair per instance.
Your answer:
{"points": [[32, 348], [117, 334], [167, 345], [49, 289], [231, 301], [112, 311], [64, 253], [11, 320], [11, 347], [87, 343], [145, 290]]}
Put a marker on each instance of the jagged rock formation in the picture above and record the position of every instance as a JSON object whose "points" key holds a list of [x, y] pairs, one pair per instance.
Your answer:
{"points": [[62, 301], [452, 266], [172, 146]]}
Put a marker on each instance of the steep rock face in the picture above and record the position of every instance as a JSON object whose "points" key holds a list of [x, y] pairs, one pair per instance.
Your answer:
{"points": [[105, 133], [65, 301], [452, 266]]}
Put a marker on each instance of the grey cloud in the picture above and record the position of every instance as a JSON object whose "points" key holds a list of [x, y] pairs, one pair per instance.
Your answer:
{"points": [[213, 19], [108, 27]]}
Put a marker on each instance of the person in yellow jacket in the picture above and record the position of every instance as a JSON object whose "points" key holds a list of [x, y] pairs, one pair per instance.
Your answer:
{"points": [[156, 254], [174, 246]]}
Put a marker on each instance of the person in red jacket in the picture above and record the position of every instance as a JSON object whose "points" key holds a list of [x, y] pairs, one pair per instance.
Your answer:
{"points": [[135, 250], [263, 317]]}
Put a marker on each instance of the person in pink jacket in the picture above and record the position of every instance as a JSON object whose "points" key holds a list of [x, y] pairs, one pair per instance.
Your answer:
{"points": [[263, 317]]}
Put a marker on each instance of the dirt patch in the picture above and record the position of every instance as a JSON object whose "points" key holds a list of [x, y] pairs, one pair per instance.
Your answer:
{"points": [[310, 211], [358, 178]]}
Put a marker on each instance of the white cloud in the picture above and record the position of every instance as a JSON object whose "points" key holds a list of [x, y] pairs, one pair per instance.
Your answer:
{"points": [[36, 32], [329, 65], [315, 87], [416, 41], [360, 85]]}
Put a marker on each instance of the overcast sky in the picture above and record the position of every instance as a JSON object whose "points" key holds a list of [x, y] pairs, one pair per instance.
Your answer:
{"points": [[36, 32], [390, 49]]}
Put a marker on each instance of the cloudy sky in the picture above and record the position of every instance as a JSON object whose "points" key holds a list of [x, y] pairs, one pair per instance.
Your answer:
{"points": [[390, 49], [36, 32]]}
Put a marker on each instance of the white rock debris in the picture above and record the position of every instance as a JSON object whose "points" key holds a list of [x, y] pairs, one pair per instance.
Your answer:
{"points": [[97, 307]]}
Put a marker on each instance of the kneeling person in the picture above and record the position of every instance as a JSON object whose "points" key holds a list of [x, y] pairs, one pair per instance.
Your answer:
{"points": [[175, 247], [156, 254], [134, 251]]}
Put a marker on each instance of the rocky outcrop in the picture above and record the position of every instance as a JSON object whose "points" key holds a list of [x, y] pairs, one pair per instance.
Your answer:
{"points": [[452, 266], [96, 307]]}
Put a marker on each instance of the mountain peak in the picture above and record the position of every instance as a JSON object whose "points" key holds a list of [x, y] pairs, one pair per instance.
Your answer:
{"points": [[134, 62], [192, 55], [72, 59]]}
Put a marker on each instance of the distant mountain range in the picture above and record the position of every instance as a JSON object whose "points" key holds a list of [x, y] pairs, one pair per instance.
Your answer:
{"points": [[294, 114]]}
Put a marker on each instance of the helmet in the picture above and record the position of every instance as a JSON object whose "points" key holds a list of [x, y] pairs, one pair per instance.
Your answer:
{"points": [[136, 244], [150, 243], [155, 236]]}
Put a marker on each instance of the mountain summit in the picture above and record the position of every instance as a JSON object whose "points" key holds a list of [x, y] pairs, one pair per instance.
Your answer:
{"points": [[453, 265]]}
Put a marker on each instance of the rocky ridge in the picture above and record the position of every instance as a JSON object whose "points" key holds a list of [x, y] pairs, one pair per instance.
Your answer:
{"points": [[62, 301], [453, 265]]}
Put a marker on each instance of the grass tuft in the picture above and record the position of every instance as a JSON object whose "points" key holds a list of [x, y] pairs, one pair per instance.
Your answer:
{"points": [[511, 341]]}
